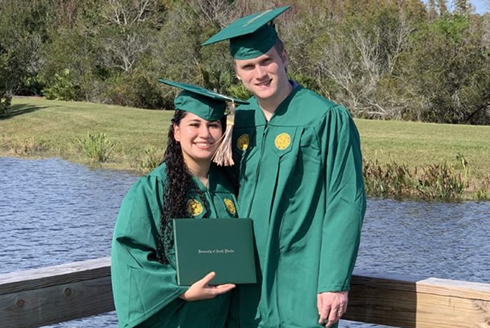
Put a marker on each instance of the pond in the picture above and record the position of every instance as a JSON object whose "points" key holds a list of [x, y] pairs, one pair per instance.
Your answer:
{"points": [[54, 212]]}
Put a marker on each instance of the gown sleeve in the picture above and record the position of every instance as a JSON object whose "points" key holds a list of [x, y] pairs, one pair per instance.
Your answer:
{"points": [[345, 199], [142, 286]]}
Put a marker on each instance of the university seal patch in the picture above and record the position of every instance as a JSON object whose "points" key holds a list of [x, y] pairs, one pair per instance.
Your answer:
{"points": [[282, 141], [242, 142], [194, 207], [230, 206]]}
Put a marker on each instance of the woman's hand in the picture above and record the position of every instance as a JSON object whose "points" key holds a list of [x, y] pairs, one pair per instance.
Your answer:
{"points": [[200, 290]]}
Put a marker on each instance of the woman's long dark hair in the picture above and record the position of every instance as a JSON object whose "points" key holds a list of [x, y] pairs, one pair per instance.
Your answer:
{"points": [[178, 186]]}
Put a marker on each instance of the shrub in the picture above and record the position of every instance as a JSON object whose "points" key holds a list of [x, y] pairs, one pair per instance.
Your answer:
{"points": [[135, 90], [152, 157], [436, 181], [62, 88], [483, 190], [440, 181], [238, 91], [390, 179], [97, 147], [5, 100]]}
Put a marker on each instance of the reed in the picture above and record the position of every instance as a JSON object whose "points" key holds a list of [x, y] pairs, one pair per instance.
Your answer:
{"points": [[97, 147], [483, 189], [436, 181], [150, 159]]}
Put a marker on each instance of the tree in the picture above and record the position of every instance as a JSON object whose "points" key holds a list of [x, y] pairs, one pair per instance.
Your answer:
{"points": [[128, 30], [5, 96], [449, 72], [442, 5], [23, 30], [356, 63], [462, 7], [432, 10]]}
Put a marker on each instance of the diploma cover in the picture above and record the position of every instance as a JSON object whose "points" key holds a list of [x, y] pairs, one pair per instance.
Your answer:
{"points": [[225, 246]]}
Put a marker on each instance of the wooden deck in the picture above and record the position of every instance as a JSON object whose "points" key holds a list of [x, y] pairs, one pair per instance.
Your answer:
{"points": [[61, 293]]}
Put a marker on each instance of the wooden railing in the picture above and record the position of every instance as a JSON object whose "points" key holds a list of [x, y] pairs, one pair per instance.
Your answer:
{"points": [[61, 293]]}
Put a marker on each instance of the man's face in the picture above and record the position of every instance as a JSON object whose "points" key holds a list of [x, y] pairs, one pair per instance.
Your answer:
{"points": [[265, 76]]}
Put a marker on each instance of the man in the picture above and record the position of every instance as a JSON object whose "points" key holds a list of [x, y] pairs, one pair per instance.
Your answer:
{"points": [[300, 178]]}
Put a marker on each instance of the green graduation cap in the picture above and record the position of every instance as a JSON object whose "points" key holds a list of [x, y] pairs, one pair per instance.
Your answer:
{"points": [[204, 103], [250, 36], [210, 106]]}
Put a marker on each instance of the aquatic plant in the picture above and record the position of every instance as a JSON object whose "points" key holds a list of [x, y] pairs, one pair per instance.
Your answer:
{"points": [[96, 147], [389, 179], [483, 190], [27, 146], [151, 158], [435, 181], [440, 181]]}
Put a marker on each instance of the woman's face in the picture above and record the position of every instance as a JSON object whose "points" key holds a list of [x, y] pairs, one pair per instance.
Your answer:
{"points": [[198, 138]]}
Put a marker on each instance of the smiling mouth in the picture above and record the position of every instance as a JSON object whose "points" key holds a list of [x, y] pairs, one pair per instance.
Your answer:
{"points": [[264, 84], [204, 144]]}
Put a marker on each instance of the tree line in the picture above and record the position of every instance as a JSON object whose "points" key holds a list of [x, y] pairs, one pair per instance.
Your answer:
{"points": [[382, 59]]}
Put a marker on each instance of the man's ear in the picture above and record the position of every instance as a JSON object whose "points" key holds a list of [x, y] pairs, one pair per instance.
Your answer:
{"points": [[234, 67], [285, 58]]}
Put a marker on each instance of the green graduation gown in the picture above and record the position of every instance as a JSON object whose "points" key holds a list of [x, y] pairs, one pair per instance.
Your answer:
{"points": [[146, 291], [300, 180]]}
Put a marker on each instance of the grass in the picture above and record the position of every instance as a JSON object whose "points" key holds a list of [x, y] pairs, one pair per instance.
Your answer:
{"points": [[38, 127], [43, 128], [422, 144]]}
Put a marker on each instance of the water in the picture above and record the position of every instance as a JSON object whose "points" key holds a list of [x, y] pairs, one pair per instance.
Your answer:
{"points": [[443, 240], [53, 212]]}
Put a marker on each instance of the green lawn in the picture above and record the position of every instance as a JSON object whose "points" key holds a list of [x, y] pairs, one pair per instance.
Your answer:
{"points": [[421, 144], [50, 128], [39, 127]]}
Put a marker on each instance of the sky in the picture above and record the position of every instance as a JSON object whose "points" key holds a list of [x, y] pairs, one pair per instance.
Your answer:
{"points": [[481, 6]]}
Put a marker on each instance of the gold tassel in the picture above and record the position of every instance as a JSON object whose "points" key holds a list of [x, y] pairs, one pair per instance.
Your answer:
{"points": [[224, 154]]}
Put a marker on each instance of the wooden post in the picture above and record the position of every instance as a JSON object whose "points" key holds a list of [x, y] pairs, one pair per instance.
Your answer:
{"points": [[411, 302], [55, 294]]}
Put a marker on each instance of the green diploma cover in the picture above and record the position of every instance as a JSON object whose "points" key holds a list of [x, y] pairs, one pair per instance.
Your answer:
{"points": [[224, 246]]}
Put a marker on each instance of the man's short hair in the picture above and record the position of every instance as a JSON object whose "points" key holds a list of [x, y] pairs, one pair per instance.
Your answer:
{"points": [[279, 46]]}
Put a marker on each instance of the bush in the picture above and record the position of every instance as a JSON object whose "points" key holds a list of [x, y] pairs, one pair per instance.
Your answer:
{"points": [[135, 90], [97, 147], [439, 181], [62, 88], [5, 101], [238, 91], [436, 181], [152, 157]]}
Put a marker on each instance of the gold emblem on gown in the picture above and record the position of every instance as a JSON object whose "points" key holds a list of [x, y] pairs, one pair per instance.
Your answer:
{"points": [[282, 141], [242, 142], [194, 207], [230, 206]]}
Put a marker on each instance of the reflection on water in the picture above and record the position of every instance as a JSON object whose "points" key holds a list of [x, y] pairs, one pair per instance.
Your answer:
{"points": [[53, 212]]}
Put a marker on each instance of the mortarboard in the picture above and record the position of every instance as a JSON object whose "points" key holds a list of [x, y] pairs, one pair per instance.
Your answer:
{"points": [[210, 106], [204, 103], [250, 36]]}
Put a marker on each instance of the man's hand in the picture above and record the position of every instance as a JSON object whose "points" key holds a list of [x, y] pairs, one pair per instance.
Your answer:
{"points": [[201, 291], [331, 307]]}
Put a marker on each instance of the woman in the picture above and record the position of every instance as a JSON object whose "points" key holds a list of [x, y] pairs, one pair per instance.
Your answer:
{"points": [[185, 185]]}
